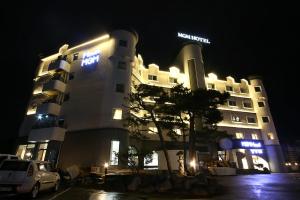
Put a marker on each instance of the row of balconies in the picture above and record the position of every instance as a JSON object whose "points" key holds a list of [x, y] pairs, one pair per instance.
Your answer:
{"points": [[50, 85]]}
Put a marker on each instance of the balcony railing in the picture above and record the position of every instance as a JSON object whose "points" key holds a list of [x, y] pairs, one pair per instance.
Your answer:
{"points": [[59, 65]]}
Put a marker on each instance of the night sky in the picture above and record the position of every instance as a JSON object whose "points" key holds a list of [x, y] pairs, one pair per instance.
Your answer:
{"points": [[246, 39]]}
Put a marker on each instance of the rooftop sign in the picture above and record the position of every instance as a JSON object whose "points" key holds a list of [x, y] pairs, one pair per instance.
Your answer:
{"points": [[193, 37]]}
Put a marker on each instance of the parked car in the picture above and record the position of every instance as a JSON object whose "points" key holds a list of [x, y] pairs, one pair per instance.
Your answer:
{"points": [[8, 156], [27, 176]]}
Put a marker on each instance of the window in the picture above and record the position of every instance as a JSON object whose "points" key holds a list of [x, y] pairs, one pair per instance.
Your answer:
{"points": [[231, 103], [257, 89], [270, 136], [211, 86], [247, 104], [261, 104], [239, 135], [235, 118], [152, 130], [117, 113], [42, 151], [229, 88], [75, 56], [71, 75], [243, 90], [254, 136], [265, 119], [121, 65], [173, 80], [177, 131], [251, 120], [123, 43], [152, 77], [67, 97], [120, 88], [114, 151], [154, 163]]}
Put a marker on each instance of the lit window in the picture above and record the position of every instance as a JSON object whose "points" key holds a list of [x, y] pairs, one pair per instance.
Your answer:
{"points": [[173, 80], [152, 130], [257, 89], [152, 77], [177, 131], [261, 104], [154, 163], [42, 151], [254, 136], [251, 120], [211, 86], [123, 43], [75, 56], [247, 104], [235, 118], [114, 151], [231, 103], [117, 113], [239, 135], [265, 119], [270, 136], [229, 88], [120, 88], [121, 65]]}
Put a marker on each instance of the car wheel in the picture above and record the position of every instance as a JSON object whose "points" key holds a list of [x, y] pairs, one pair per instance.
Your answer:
{"points": [[56, 186], [35, 191]]}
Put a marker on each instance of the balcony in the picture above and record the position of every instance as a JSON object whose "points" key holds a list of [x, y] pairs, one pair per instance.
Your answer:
{"points": [[49, 108], [59, 65], [53, 86], [45, 134]]}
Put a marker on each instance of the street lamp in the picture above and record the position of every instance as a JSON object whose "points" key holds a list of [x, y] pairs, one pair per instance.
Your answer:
{"points": [[105, 168]]}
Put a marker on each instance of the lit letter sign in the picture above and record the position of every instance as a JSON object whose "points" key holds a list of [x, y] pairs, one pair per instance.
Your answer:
{"points": [[89, 58], [256, 151], [251, 144], [193, 37]]}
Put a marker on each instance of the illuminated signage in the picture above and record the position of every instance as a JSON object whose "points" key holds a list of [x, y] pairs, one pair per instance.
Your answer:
{"points": [[256, 151], [251, 144], [193, 37], [90, 58]]}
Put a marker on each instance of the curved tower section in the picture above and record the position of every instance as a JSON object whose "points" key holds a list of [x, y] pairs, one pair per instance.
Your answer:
{"points": [[191, 59], [265, 121]]}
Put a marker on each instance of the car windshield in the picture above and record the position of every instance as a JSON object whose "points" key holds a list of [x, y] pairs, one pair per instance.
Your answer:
{"points": [[14, 166]]}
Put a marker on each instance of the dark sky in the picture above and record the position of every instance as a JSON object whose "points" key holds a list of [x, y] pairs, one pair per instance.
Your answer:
{"points": [[249, 38]]}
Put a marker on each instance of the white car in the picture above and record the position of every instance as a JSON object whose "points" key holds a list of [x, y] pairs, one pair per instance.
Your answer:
{"points": [[27, 176], [8, 156]]}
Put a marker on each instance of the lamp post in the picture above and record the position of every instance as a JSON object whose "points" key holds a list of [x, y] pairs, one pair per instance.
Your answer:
{"points": [[105, 168]]}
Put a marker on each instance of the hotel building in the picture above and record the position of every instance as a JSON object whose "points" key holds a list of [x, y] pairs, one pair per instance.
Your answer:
{"points": [[75, 113]]}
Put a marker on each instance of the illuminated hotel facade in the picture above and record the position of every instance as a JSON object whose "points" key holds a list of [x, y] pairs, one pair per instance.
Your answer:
{"points": [[75, 114]]}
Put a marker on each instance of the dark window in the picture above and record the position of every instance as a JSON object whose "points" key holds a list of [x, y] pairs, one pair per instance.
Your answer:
{"points": [[232, 103], [67, 97], [265, 119], [152, 77], [173, 80], [251, 120], [257, 89], [75, 56], [123, 43], [229, 88], [122, 65], [261, 104], [247, 104], [71, 76], [120, 88], [211, 86]]}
